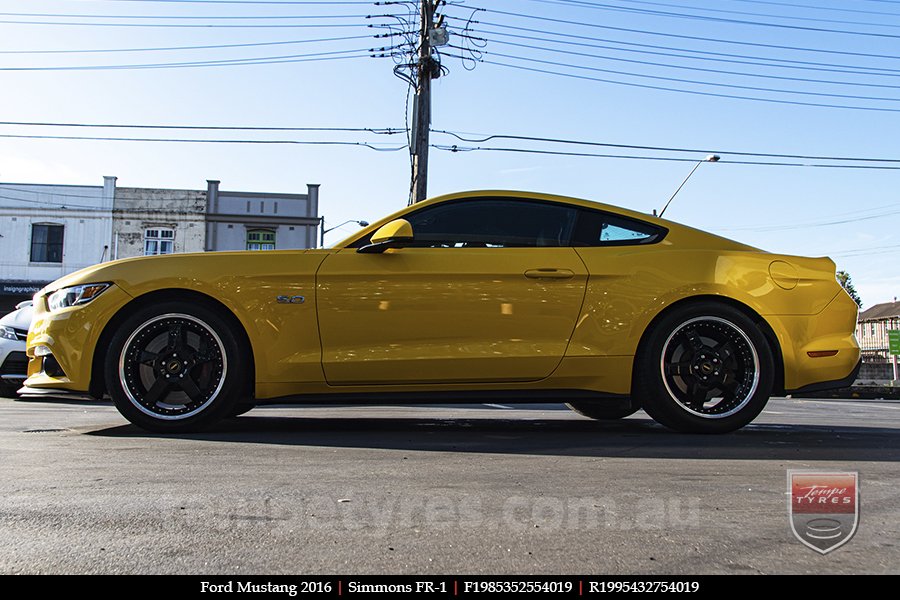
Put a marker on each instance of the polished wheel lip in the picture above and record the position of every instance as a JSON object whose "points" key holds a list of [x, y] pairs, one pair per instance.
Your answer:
{"points": [[756, 368], [122, 377]]}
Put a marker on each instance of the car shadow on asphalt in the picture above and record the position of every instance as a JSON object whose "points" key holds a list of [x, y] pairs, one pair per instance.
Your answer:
{"points": [[634, 437]]}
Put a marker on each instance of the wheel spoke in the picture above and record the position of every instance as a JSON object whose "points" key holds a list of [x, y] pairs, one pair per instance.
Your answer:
{"points": [[190, 388], [725, 350], [176, 336], [730, 385], [679, 369], [696, 394], [202, 354], [157, 391], [693, 339], [147, 358]]}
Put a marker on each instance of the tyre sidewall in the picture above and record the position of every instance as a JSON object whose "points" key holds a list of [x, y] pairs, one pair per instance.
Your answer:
{"points": [[655, 398], [218, 408]]}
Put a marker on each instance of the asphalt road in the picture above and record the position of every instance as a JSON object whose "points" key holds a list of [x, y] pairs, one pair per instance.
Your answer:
{"points": [[435, 489]]}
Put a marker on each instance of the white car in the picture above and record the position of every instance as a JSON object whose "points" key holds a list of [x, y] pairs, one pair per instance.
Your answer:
{"points": [[13, 362]]}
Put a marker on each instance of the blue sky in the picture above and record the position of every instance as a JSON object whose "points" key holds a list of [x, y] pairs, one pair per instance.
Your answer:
{"points": [[722, 48]]}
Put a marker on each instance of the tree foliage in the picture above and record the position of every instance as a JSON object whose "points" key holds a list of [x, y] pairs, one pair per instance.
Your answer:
{"points": [[846, 282]]}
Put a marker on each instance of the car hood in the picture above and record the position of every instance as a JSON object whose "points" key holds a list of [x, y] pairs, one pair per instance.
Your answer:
{"points": [[187, 267], [18, 319]]}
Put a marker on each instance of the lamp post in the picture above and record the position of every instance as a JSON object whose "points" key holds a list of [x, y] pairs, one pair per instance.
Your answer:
{"points": [[324, 231], [710, 158]]}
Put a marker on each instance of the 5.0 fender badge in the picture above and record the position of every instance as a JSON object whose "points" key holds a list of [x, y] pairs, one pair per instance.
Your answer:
{"points": [[290, 299]]}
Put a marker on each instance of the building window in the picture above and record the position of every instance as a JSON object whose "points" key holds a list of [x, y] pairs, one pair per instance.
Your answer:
{"points": [[159, 241], [46, 243], [260, 239]]}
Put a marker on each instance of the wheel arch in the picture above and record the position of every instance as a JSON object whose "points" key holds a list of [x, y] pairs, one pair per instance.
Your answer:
{"points": [[764, 327], [97, 386]]}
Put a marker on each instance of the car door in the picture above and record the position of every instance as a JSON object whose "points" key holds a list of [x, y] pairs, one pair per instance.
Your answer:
{"points": [[489, 292]]}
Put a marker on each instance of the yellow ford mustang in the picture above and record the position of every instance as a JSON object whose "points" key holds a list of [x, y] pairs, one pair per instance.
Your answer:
{"points": [[465, 297]]}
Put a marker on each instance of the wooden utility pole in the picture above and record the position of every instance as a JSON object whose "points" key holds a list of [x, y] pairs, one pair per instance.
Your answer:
{"points": [[422, 122]]}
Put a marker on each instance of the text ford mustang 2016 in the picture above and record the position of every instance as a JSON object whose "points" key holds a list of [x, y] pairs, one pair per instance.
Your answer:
{"points": [[465, 297]]}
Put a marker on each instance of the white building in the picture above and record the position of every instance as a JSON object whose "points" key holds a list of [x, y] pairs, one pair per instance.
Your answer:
{"points": [[261, 221], [149, 221], [47, 231], [872, 330]]}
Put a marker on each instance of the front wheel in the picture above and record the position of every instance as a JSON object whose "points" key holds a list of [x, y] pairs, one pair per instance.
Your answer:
{"points": [[705, 368], [175, 367]]}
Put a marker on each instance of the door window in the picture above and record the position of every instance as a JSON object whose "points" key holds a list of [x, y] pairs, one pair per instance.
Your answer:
{"points": [[494, 223]]}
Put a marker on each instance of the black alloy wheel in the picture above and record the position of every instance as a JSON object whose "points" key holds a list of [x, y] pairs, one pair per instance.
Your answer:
{"points": [[175, 367], [706, 368]]}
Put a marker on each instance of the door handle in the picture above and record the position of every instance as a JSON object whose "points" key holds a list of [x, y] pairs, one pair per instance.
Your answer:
{"points": [[549, 274]]}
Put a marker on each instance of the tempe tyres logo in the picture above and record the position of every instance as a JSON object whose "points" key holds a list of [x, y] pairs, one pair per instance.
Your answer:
{"points": [[823, 508]]}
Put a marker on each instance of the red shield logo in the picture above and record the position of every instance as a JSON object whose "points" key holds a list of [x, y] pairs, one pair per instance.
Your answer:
{"points": [[823, 508]]}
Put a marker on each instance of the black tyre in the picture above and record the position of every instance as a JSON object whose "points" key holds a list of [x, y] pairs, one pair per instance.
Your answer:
{"points": [[604, 410], [240, 409], [175, 367], [8, 390], [705, 368]]}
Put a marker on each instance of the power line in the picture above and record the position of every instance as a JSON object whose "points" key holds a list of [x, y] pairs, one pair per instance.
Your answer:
{"points": [[265, 60], [377, 130], [594, 5], [48, 203], [698, 82], [830, 8], [170, 17], [691, 54], [693, 92], [815, 224], [467, 137], [697, 69], [192, 26], [867, 251], [696, 38], [206, 141], [481, 138], [240, 2], [456, 148], [204, 47], [703, 18]]}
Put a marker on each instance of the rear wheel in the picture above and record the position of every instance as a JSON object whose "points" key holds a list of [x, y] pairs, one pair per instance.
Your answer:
{"points": [[175, 367], [706, 368], [604, 410]]}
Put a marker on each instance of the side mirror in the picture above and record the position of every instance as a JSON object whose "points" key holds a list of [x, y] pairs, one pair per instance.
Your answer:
{"points": [[396, 234]]}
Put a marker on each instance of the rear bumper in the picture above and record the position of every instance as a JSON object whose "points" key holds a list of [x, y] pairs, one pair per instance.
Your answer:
{"points": [[819, 350], [829, 385]]}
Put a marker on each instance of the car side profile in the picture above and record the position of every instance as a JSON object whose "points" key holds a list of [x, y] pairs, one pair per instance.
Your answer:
{"points": [[466, 297]]}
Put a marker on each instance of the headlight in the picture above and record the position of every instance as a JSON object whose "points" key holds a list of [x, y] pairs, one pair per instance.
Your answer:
{"points": [[75, 295], [7, 333]]}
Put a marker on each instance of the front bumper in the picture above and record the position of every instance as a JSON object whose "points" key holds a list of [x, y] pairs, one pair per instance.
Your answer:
{"points": [[69, 339]]}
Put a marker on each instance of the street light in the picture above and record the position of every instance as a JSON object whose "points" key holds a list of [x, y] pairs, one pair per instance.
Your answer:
{"points": [[324, 231], [710, 158]]}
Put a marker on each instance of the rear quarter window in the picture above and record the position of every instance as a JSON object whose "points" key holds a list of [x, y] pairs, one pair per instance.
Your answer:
{"points": [[597, 228]]}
